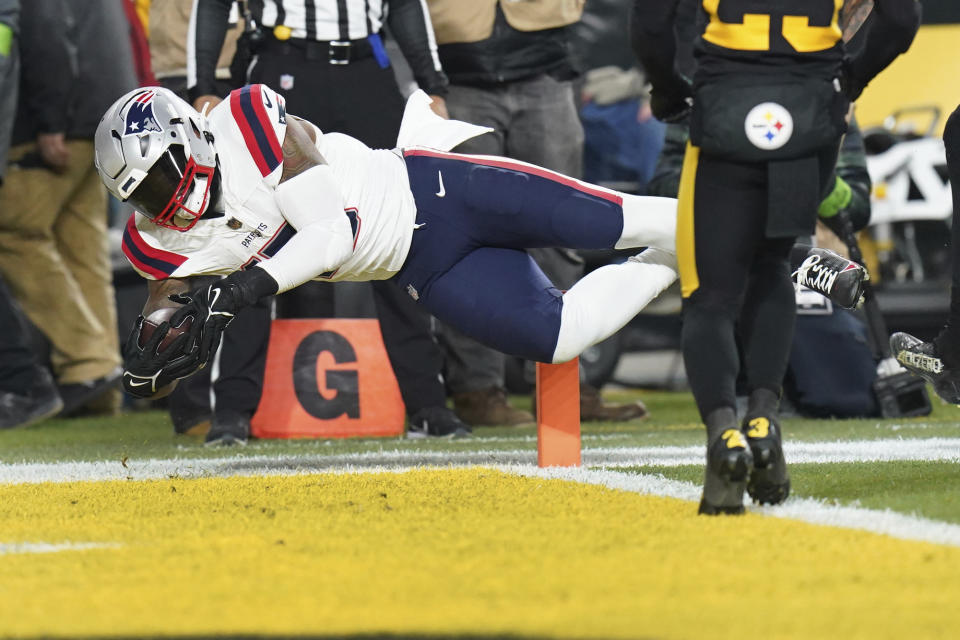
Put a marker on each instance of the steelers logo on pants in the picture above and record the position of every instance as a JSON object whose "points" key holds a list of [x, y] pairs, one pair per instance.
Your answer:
{"points": [[768, 126]]}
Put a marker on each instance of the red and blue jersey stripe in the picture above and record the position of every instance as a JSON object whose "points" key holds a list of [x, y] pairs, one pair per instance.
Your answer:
{"points": [[246, 105], [150, 260]]}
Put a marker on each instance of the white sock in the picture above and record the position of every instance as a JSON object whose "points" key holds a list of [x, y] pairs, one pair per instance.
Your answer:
{"points": [[607, 298], [648, 221]]}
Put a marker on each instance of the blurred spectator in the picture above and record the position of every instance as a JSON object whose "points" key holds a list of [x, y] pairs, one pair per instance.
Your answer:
{"points": [[27, 391], [334, 71], [511, 68], [168, 29], [9, 74], [622, 138], [138, 42], [53, 208]]}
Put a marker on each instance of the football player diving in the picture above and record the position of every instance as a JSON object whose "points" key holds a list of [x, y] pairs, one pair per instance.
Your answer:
{"points": [[264, 201], [250, 201]]}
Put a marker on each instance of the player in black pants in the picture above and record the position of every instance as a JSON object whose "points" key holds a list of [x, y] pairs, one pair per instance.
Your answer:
{"points": [[938, 361], [769, 96]]}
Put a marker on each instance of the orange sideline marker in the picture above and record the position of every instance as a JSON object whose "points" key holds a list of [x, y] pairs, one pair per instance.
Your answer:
{"points": [[558, 414], [328, 378]]}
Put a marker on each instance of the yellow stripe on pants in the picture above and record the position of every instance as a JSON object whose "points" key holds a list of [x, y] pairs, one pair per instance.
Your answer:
{"points": [[686, 246]]}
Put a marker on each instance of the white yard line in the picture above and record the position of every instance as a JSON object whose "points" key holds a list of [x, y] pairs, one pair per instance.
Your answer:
{"points": [[886, 522], [11, 548], [889, 449], [524, 463], [947, 449]]}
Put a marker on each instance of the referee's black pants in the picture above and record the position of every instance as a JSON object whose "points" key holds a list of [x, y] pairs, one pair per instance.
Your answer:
{"points": [[735, 279]]}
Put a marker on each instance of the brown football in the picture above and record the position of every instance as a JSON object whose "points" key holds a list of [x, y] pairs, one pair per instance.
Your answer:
{"points": [[155, 319]]}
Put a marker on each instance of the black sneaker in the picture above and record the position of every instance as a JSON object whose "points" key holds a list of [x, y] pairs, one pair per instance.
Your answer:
{"points": [[769, 482], [228, 429], [729, 462], [78, 394], [192, 423], [41, 402], [833, 276], [925, 360], [436, 422]]}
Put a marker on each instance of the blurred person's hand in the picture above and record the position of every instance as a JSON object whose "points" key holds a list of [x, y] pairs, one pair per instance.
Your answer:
{"points": [[439, 106], [54, 151], [211, 99], [644, 113]]}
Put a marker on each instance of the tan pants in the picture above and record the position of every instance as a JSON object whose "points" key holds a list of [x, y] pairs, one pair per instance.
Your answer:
{"points": [[55, 258]]}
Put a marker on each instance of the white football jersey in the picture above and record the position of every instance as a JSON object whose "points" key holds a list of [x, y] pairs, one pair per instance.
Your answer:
{"points": [[249, 128]]}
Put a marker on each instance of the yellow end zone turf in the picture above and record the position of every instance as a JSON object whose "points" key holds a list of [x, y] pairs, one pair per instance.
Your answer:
{"points": [[448, 551]]}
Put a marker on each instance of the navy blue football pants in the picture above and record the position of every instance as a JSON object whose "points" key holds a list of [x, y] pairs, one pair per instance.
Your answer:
{"points": [[476, 216]]}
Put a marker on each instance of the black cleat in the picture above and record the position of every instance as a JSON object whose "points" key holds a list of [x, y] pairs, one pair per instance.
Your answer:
{"points": [[729, 462], [40, 402], [228, 429], [769, 483], [830, 274], [925, 360], [78, 394], [436, 422]]}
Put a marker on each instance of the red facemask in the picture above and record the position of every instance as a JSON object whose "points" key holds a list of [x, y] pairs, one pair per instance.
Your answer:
{"points": [[178, 202]]}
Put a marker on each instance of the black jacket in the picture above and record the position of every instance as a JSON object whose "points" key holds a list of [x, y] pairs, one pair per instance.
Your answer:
{"points": [[72, 66], [47, 69], [509, 55]]}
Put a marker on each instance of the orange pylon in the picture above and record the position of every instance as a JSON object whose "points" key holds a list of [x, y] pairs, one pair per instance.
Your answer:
{"points": [[558, 414]]}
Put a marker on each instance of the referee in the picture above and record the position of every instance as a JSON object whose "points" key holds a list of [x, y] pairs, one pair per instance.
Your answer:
{"points": [[327, 58]]}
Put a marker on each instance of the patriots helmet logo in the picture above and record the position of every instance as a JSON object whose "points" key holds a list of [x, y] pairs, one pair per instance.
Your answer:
{"points": [[140, 116]]}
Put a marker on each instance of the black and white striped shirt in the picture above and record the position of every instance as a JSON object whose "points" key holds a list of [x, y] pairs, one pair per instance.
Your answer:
{"points": [[324, 19], [319, 20]]}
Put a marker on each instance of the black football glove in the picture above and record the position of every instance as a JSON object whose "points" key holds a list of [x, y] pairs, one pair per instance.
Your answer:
{"points": [[146, 371], [213, 307], [672, 103]]}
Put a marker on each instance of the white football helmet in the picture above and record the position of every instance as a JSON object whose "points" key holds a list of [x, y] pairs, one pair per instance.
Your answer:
{"points": [[156, 152]]}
